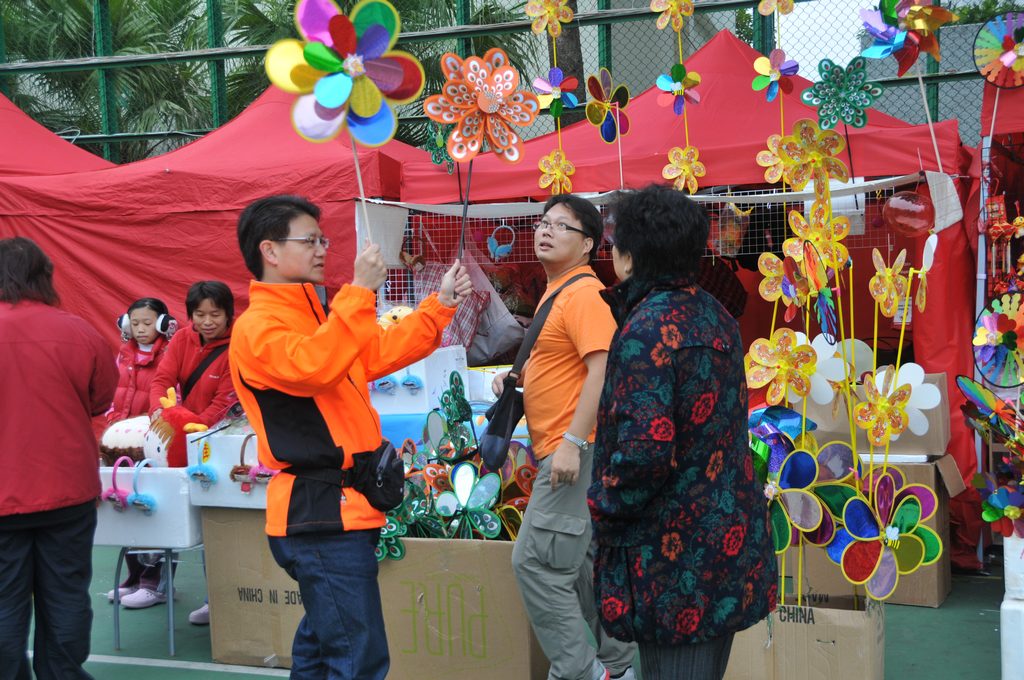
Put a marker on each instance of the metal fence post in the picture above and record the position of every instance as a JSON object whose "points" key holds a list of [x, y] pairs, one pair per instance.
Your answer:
{"points": [[604, 38], [463, 13], [104, 48], [3, 58], [764, 32], [218, 79]]}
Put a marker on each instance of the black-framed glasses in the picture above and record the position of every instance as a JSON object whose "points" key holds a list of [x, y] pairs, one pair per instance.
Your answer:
{"points": [[557, 227], [310, 241]]}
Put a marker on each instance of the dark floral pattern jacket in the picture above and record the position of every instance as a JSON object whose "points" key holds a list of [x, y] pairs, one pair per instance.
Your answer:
{"points": [[684, 553]]}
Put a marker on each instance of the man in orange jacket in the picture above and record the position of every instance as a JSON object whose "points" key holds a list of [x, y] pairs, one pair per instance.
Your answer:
{"points": [[301, 373]]}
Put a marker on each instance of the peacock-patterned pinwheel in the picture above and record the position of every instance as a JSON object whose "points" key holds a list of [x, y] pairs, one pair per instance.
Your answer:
{"points": [[346, 71], [389, 545], [885, 538], [548, 15], [684, 168], [780, 363], [607, 109], [678, 87], [469, 502], [842, 94], [888, 286], [480, 97], [809, 153], [774, 73]]}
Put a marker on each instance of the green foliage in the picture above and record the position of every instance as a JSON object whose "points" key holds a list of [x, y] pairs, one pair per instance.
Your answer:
{"points": [[980, 12], [745, 26]]}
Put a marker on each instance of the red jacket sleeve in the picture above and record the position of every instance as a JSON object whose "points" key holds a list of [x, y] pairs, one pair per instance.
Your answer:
{"points": [[167, 372]]}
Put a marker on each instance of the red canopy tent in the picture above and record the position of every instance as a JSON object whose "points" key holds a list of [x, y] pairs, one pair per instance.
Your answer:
{"points": [[31, 149], [729, 127], [1009, 115], [156, 226]]}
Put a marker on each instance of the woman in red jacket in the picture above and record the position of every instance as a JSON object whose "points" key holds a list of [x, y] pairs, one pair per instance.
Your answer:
{"points": [[196, 366], [145, 329]]}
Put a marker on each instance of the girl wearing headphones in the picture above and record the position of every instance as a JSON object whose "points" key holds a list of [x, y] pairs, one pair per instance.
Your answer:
{"points": [[145, 329]]}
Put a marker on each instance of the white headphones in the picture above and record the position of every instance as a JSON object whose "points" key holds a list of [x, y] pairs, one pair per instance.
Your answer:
{"points": [[165, 325]]}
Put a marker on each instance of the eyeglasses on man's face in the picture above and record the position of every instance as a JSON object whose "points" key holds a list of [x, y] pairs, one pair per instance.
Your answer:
{"points": [[310, 241], [557, 227]]}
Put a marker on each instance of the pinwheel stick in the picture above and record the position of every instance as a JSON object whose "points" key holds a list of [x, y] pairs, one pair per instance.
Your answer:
{"points": [[995, 110], [465, 210], [618, 143], [362, 191], [928, 116]]}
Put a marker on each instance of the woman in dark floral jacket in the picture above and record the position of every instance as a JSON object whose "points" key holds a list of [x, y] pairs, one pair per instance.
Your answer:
{"points": [[684, 558]]}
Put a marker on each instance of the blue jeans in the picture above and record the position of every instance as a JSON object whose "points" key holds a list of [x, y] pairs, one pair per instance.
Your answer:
{"points": [[342, 636]]}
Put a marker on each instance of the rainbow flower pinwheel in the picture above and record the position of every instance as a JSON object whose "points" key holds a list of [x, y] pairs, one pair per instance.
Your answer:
{"points": [[556, 92], [677, 88], [782, 364], [885, 538], [607, 109], [481, 98], [904, 29], [549, 15], [774, 74], [345, 71]]}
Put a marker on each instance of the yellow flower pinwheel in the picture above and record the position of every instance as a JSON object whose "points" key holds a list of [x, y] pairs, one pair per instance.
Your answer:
{"points": [[684, 168], [826, 235], [883, 415], [888, 286], [770, 160], [809, 153], [555, 170], [766, 7], [672, 12], [782, 364], [548, 14]]}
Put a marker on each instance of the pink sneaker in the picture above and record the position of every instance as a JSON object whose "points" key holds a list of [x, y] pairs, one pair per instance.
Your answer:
{"points": [[125, 590], [142, 598]]}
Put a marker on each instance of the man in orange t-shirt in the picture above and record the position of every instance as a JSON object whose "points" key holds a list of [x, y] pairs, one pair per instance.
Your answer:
{"points": [[562, 383]]}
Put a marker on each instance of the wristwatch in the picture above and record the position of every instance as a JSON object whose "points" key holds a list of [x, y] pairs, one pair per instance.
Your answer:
{"points": [[583, 445]]}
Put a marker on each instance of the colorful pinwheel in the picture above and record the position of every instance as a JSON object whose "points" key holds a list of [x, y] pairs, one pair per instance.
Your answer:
{"points": [[774, 74], [607, 109], [895, 401], [345, 71], [822, 230], [842, 95], [767, 7], [556, 171], [999, 341], [886, 538], [480, 98], [991, 408], [549, 15], [677, 88], [556, 92], [672, 13], [770, 160], [1001, 506], [470, 500], [888, 286], [780, 363], [684, 168], [809, 153], [783, 281], [904, 29], [999, 50], [791, 506]]}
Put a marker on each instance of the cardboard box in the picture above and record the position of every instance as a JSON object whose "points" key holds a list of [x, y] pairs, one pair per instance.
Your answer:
{"points": [[222, 452], [928, 586], [451, 608], [932, 443], [433, 375], [845, 641], [174, 522]]}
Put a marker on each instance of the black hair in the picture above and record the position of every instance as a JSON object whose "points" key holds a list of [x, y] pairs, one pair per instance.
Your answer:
{"points": [[26, 273], [154, 304], [663, 230], [267, 219], [215, 291], [586, 213]]}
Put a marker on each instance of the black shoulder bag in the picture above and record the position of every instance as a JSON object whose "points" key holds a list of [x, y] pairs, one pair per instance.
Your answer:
{"points": [[505, 414], [198, 373]]}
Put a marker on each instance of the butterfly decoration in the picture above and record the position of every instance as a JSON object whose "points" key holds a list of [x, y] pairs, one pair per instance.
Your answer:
{"points": [[346, 71], [884, 537], [989, 407], [469, 502], [999, 50], [999, 341], [678, 87], [927, 260], [888, 286], [497, 249], [774, 74], [556, 92], [481, 98], [607, 109]]}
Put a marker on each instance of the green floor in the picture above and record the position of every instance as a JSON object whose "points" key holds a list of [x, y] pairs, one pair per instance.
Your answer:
{"points": [[957, 641]]}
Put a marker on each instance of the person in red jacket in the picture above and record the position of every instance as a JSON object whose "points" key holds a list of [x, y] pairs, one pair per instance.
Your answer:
{"points": [[196, 367], [145, 329], [57, 374]]}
